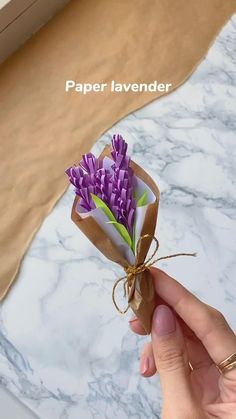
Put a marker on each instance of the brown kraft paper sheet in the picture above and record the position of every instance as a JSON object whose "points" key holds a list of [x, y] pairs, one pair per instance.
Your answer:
{"points": [[44, 130]]}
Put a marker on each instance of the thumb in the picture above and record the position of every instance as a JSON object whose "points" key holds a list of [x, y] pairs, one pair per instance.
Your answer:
{"points": [[171, 359]]}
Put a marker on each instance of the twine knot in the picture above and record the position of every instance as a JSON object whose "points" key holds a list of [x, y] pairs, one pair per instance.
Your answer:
{"points": [[133, 270]]}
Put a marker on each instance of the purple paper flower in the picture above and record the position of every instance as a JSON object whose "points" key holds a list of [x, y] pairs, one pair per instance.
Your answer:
{"points": [[114, 186], [123, 183], [103, 185], [90, 163], [86, 200], [119, 152], [77, 177], [83, 177]]}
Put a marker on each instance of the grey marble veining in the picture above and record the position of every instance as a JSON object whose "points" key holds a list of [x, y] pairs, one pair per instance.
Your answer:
{"points": [[64, 350]]}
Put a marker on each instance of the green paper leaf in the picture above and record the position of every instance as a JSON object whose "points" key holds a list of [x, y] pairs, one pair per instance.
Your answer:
{"points": [[100, 204], [134, 235], [142, 200], [123, 232], [119, 227]]}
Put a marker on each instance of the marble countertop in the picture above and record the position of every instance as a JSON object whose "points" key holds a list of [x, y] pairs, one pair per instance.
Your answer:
{"points": [[64, 350]]}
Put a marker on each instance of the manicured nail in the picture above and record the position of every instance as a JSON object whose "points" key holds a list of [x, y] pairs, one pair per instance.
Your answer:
{"points": [[163, 321], [144, 365], [134, 319]]}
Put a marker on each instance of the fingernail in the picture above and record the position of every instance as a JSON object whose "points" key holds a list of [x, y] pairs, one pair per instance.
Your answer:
{"points": [[163, 321], [144, 365], [134, 319]]}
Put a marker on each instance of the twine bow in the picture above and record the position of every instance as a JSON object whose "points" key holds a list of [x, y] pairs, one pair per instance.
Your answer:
{"points": [[133, 270]]}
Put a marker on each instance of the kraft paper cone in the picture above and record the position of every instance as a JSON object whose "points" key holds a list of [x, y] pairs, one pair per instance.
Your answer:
{"points": [[43, 129], [141, 296]]}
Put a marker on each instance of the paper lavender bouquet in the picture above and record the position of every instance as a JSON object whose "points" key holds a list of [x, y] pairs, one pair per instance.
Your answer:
{"points": [[116, 207]]}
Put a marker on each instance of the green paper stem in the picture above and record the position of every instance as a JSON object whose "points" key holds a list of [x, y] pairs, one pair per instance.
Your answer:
{"points": [[119, 227]]}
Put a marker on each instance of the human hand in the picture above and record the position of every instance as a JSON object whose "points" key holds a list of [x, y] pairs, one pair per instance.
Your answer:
{"points": [[185, 330]]}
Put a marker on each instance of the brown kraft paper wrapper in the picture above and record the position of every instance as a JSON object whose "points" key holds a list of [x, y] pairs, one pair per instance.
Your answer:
{"points": [[141, 296]]}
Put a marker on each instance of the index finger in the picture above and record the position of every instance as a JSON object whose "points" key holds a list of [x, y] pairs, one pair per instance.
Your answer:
{"points": [[207, 323]]}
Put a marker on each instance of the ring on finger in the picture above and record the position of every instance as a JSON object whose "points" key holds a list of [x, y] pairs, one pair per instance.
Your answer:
{"points": [[227, 364]]}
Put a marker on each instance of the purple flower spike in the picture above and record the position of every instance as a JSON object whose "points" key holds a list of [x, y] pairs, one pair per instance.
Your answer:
{"points": [[74, 173], [115, 186], [103, 185], [77, 177], [123, 183], [86, 200], [119, 152], [83, 186], [90, 163]]}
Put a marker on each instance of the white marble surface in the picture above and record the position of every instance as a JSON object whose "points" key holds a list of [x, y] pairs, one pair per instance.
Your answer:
{"points": [[12, 408], [64, 350]]}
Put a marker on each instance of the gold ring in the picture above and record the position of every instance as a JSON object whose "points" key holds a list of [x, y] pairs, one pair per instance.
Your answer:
{"points": [[227, 364], [190, 366]]}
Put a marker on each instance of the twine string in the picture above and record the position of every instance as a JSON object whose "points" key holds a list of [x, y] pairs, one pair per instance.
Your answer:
{"points": [[133, 270]]}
